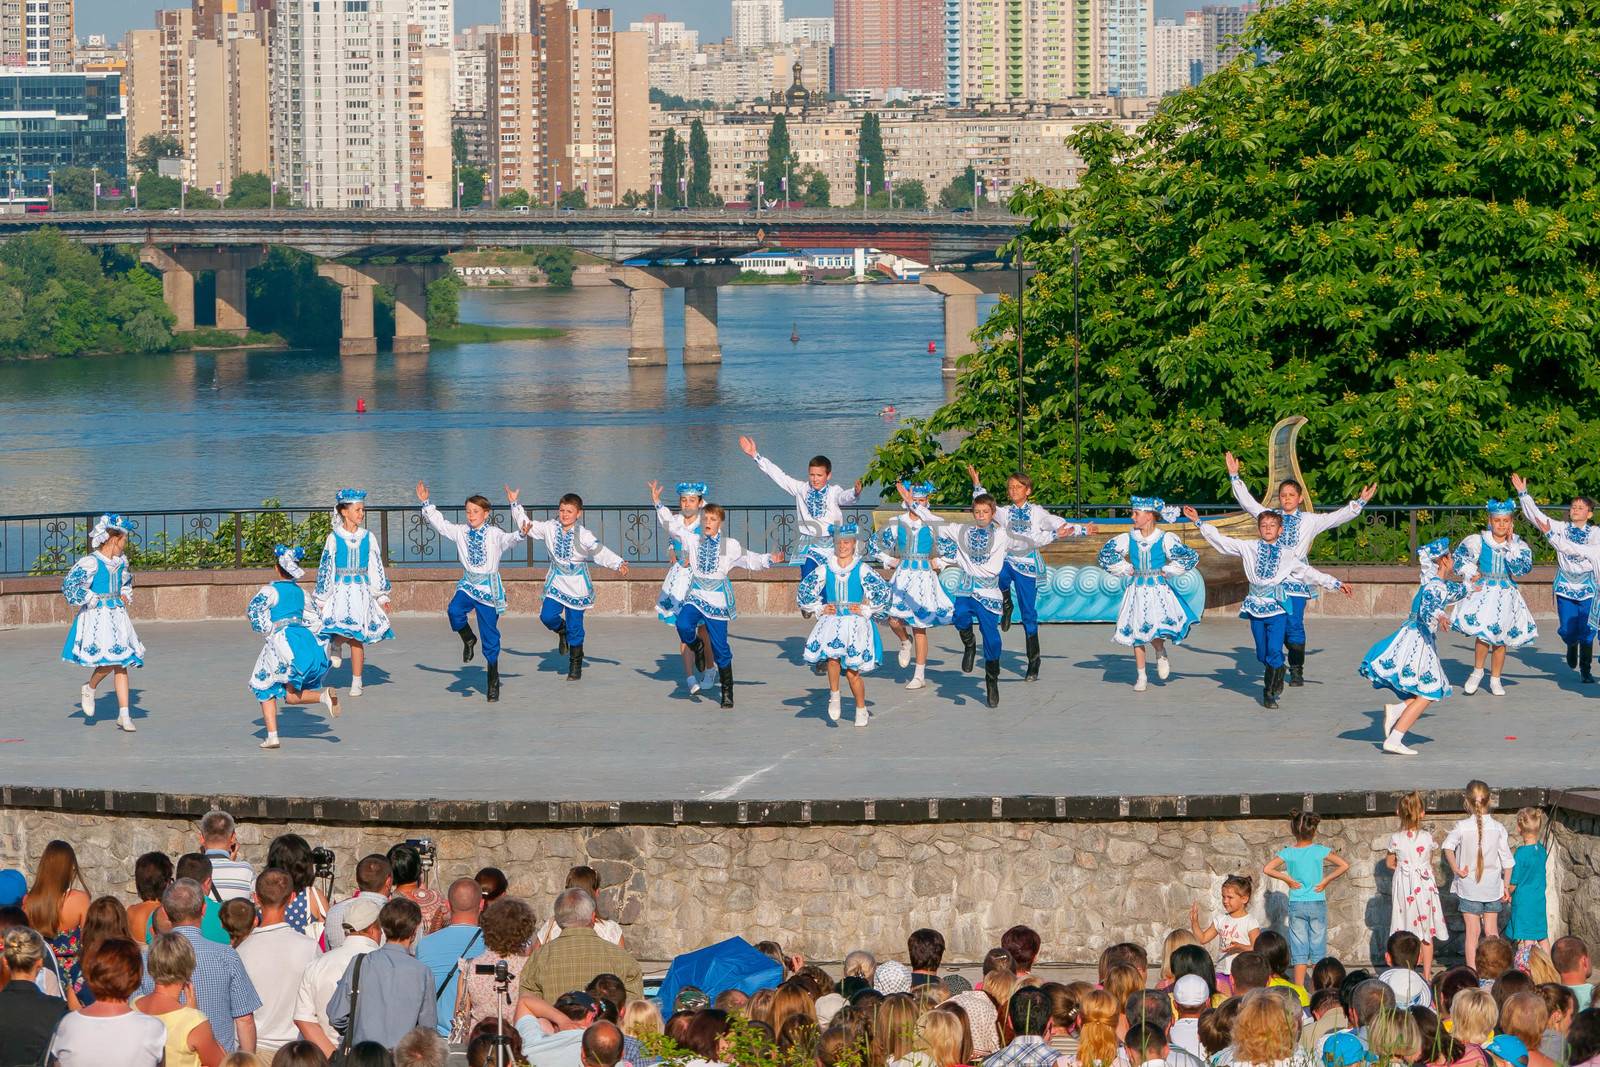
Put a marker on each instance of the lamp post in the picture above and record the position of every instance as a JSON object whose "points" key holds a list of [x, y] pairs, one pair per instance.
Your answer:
{"points": [[50, 189], [94, 177], [272, 197], [1016, 261], [1077, 407]]}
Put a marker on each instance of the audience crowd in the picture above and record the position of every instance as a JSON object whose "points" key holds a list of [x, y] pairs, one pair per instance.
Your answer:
{"points": [[221, 964]]}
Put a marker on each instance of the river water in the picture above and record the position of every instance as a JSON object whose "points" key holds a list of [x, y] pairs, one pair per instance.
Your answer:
{"points": [[222, 430]]}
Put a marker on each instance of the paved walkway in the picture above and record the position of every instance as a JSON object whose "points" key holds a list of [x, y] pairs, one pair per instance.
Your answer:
{"points": [[629, 732]]}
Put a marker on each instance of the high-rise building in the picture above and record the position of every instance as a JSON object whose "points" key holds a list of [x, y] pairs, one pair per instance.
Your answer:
{"points": [[1013, 50], [429, 91], [158, 79], [37, 34], [660, 32], [757, 23], [1221, 26], [515, 115], [437, 19], [469, 79], [1177, 51], [884, 45], [808, 31], [55, 119], [225, 121], [519, 16], [340, 91], [1124, 45]]}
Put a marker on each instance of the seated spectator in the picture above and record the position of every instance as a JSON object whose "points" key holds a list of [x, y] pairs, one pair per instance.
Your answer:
{"points": [[1274, 948], [1195, 960], [396, 988], [859, 967], [1571, 958], [943, 1040], [571, 962], [1393, 1038], [1029, 1013], [586, 879], [374, 882], [1473, 1016], [422, 1047], [925, 952], [28, 1016], [1507, 1051], [1493, 958], [250, 1059], [1329, 973], [1509, 985], [189, 1040], [492, 882], [1439, 1049], [1327, 1016], [108, 1032], [222, 988], [1447, 984], [1402, 953], [294, 1054], [1539, 966], [1262, 1033], [238, 917], [1175, 940], [893, 1033], [820, 979], [508, 927], [997, 959], [602, 1046], [892, 976], [1144, 1044], [732, 1001], [1583, 1038], [485, 1038], [1191, 997], [369, 1054], [562, 1048], [841, 1045], [641, 1019], [1065, 1003], [1562, 1007], [275, 957], [1523, 1016], [1257, 973], [1216, 1030], [1097, 1037], [1126, 952], [1022, 944]]}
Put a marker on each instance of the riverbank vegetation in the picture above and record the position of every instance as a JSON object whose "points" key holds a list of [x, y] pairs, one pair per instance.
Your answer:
{"points": [[58, 298]]}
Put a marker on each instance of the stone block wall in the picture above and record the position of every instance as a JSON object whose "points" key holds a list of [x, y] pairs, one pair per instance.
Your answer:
{"points": [[823, 890], [1575, 842]]}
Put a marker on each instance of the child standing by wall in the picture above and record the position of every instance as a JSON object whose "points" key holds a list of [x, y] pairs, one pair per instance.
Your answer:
{"points": [[1529, 922], [102, 637], [1235, 926], [1414, 905], [1480, 855], [1300, 867]]}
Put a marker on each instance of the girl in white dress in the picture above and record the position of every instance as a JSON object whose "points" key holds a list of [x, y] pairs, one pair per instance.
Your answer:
{"points": [[102, 637], [675, 587], [1493, 614], [917, 600], [846, 596], [352, 590], [1414, 895], [1152, 612]]}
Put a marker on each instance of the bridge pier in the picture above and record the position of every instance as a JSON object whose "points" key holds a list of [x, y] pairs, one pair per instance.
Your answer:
{"points": [[408, 281], [700, 341], [647, 338], [961, 290], [178, 268]]}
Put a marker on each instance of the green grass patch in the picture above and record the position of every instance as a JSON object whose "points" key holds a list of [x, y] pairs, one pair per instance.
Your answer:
{"points": [[750, 277], [472, 333], [211, 337]]}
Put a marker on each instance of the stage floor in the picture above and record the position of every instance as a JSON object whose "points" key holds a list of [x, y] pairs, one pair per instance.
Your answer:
{"points": [[629, 731]]}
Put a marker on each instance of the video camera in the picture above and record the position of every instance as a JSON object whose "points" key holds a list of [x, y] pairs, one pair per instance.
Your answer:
{"points": [[427, 852]]}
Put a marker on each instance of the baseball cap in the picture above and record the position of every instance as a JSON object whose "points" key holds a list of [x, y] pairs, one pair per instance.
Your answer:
{"points": [[1191, 991], [1344, 1049], [576, 999], [1508, 1048], [361, 913], [13, 887], [828, 1006], [1409, 988]]}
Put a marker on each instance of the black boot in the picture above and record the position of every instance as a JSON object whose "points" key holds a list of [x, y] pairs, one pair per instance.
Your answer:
{"points": [[469, 643], [698, 647], [969, 650], [1572, 655], [1269, 688], [1586, 662], [991, 682], [561, 640], [494, 682], [575, 659], [725, 676], [1033, 658], [1297, 665], [1005, 610]]}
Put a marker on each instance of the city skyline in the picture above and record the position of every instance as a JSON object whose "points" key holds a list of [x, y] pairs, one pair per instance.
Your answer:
{"points": [[710, 17]]}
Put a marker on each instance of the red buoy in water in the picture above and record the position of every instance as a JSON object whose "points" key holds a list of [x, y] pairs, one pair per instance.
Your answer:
{"points": [[932, 347], [361, 405]]}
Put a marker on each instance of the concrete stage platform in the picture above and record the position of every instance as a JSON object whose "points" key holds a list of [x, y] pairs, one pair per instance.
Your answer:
{"points": [[629, 735]]}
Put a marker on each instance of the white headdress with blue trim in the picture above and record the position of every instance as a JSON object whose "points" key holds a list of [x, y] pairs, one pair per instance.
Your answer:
{"points": [[289, 557], [699, 489], [108, 524], [350, 496], [1168, 512], [920, 490], [1495, 507], [848, 531], [1430, 553]]}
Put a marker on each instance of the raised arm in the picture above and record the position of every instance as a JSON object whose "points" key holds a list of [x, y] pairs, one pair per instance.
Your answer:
{"points": [[1335, 519], [1560, 537], [848, 497], [674, 525], [941, 527], [450, 531], [1531, 510], [792, 486], [1241, 493], [1228, 546]]}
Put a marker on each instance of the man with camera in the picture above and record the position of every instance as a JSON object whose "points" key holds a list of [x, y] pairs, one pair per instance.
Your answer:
{"points": [[446, 951], [361, 934], [232, 877]]}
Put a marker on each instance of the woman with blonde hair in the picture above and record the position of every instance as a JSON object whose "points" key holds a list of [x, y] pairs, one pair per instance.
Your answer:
{"points": [[1393, 1038], [1175, 940], [641, 1019], [792, 998], [1262, 1033], [1122, 981], [998, 987], [1473, 1016], [1097, 1040], [1524, 1016], [190, 1042], [759, 1009], [943, 1038], [1540, 967], [894, 1029]]}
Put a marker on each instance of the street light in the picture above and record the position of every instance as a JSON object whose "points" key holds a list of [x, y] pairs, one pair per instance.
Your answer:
{"points": [[866, 184], [94, 177]]}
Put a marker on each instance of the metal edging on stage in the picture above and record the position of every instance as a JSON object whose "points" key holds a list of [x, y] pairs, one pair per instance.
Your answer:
{"points": [[506, 814]]}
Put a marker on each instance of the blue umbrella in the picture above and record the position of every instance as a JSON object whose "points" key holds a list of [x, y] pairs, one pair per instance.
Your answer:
{"points": [[730, 964]]}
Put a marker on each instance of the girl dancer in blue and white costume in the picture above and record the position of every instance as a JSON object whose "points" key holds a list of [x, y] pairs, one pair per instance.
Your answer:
{"points": [[102, 637], [1407, 661], [846, 596], [1152, 612], [819, 505], [1271, 567], [479, 546], [568, 592], [708, 605], [691, 498], [352, 589], [1024, 571], [1493, 614], [981, 548], [293, 664], [1299, 528], [1575, 574], [916, 598]]}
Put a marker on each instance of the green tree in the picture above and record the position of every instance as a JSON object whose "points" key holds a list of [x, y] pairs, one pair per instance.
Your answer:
{"points": [[289, 298], [871, 150], [1390, 229], [634, 198], [59, 298], [74, 189], [959, 192], [556, 264], [152, 149], [516, 198], [815, 190], [157, 193], [911, 195], [673, 160], [700, 194], [673, 102], [780, 160], [444, 302], [252, 189], [458, 145], [576, 199], [472, 186]]}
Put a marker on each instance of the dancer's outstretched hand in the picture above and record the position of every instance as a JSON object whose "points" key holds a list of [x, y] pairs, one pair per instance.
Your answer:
{"points": [[1347, 589], [1369, 492], [622, 568], [749, 446], [1519, 483], [859, 485], [512, 494], [1233, 464], [422, 492], [974, 472], [778, 556], [655, 492], [1191, 514]]}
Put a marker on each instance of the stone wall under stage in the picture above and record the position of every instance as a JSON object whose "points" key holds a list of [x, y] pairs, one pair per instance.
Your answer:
{"points": [[823, 890]]}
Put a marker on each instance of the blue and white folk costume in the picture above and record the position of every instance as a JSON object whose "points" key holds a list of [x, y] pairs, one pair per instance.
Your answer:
{"points": [[295, 655], [568, 590], [817, 513], [1022, 571], [480, 591], [1407, 661], [849, 635], [1151, 608], [709, 599], [102, 636], [980, 553], [1299, 529], [1574, 586], [676, 584], [1494, 611], [911, 546], [352, 589], [1272, 568]]}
